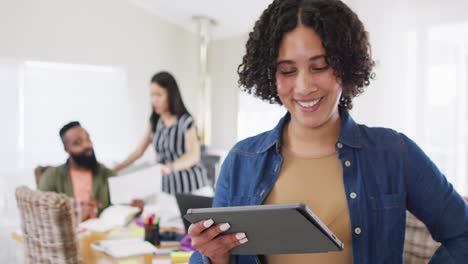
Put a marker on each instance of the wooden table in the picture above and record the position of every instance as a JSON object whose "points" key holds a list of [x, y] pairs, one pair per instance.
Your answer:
{"points": [[91, 256]]}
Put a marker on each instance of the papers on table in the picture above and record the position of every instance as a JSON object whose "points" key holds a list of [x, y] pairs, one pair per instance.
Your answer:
{"points": [[137, 184], [127, 232], [162, 261], [112, 217], [121, 248]]}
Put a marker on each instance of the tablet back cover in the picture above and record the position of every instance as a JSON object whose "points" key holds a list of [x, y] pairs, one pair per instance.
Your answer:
{"points": [[271, 229]]}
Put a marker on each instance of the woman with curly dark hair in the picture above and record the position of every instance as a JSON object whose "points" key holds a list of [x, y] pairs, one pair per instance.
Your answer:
{"points": [[313, 57]]}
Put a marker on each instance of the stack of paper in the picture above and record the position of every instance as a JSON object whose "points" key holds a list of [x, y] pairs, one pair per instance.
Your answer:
{"points": [[137, 184], [121, 248]]}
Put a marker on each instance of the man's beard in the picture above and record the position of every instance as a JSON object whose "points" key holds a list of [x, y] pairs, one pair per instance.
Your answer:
{"points": [[85, 160]]}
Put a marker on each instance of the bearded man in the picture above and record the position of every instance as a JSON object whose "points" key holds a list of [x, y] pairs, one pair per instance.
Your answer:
{"points": [[82, 176]]}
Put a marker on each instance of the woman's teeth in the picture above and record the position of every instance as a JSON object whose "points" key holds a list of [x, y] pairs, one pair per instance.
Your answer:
{"points": [[309, 104]]}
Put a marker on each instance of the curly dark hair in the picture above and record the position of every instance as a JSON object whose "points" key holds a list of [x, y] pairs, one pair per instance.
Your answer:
{"points": [[343, 36]]}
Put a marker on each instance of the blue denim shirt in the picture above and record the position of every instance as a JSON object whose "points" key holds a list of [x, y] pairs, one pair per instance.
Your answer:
{"points": [[385, 174]]}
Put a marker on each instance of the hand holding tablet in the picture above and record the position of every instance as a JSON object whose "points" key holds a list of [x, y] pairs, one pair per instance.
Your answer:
{"points": [[208, 239]]}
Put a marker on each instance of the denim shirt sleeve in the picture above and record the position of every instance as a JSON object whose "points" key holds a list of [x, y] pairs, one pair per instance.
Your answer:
{"points": [[432, 199], [220, 200]]}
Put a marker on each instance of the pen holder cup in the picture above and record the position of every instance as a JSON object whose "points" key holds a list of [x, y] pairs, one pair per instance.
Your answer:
{"points": [[152, 234]]}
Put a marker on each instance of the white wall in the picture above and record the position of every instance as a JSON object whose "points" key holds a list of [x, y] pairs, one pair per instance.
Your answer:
{"points": [[226, 56]]}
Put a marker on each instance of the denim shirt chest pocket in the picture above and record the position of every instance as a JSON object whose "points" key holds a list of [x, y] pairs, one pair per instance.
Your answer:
{"points": [[388, 201], [388, 212]]}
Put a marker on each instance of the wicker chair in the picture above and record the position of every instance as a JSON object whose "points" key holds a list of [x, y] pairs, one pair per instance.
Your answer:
{"points": [[48, 225], [419, 245]]}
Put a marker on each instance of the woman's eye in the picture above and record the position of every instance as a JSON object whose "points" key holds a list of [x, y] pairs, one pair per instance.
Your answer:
{"points": [[319, 68], [286, 71]]}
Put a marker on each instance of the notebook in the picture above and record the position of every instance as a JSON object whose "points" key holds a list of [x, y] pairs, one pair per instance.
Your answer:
{"points": [[112, 217]]}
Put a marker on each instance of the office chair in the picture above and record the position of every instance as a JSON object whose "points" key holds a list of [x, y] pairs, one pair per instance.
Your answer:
{"points": [[49, 226]]}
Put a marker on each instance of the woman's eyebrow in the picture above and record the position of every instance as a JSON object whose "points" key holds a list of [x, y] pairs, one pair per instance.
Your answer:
{"points": [[313, 58], [285, 62], [316, 57]]}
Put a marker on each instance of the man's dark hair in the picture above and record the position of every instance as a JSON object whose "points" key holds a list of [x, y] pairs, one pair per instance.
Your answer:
{"points": [[68, 126], [343, 36], [176, 105]]}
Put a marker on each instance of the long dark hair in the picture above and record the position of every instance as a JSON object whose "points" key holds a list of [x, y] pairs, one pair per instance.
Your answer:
{"points": [[176, 105]]}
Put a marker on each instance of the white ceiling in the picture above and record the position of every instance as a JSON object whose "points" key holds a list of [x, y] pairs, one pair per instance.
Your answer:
{"points": [[233, 17]]}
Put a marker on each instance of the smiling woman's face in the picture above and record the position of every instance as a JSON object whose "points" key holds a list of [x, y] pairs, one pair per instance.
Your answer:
{"points": [[306, 84]]}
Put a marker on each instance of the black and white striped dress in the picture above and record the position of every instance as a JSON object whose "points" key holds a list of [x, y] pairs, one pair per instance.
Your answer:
{"points": [[169, 143]]}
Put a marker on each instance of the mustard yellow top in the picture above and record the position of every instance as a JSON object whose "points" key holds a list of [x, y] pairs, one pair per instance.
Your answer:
{"points": [[318, 183]]}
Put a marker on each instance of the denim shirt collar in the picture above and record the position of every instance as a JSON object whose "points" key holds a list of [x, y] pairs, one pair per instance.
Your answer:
{"points": [[349, 134]]}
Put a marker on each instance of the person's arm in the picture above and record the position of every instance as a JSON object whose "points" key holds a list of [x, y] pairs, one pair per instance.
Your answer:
{"points": [[137, 153], [192, 152], [433, 200]]}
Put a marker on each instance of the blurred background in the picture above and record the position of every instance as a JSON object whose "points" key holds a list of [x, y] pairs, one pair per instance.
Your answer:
{"points": [[63, 60]]}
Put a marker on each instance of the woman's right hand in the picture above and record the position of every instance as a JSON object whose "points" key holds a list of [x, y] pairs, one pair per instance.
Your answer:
{"points": [[166, 170], [206, 239]]}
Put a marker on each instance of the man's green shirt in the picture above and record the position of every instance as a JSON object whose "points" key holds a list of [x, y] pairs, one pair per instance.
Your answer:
{"points": [[57, 179]]}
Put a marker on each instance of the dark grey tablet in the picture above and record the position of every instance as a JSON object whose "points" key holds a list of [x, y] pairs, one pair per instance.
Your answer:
{"points": [[272, 229]]}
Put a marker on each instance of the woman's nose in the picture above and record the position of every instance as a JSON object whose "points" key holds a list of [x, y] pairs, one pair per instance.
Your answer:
{"points": [[305, 83]]}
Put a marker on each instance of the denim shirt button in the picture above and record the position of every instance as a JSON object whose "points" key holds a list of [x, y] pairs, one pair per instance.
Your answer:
{"points": [[339, 145], [262, 192], [353, 195], [347, 163], [357, 230]]}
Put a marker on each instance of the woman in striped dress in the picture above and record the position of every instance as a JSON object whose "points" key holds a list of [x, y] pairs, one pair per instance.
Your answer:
{"points": [[173, 134]]}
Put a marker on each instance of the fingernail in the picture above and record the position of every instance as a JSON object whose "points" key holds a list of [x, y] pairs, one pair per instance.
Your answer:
{"points": [[225, 227], [240, 236], [243, 241], [208, 223]]}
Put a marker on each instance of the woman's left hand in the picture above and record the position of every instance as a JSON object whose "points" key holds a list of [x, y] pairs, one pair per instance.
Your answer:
{"points": [[165, 170]]}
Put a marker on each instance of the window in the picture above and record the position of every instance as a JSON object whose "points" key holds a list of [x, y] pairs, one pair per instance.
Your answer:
{"points": [[443, 100], [52, 94], [256, 116]]}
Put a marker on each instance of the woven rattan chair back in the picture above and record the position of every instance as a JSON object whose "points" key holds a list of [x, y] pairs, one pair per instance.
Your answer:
{"points": [[49, 227]]}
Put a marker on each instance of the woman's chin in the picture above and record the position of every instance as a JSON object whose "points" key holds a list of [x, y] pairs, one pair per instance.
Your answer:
{"points": [[310, 122]]}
